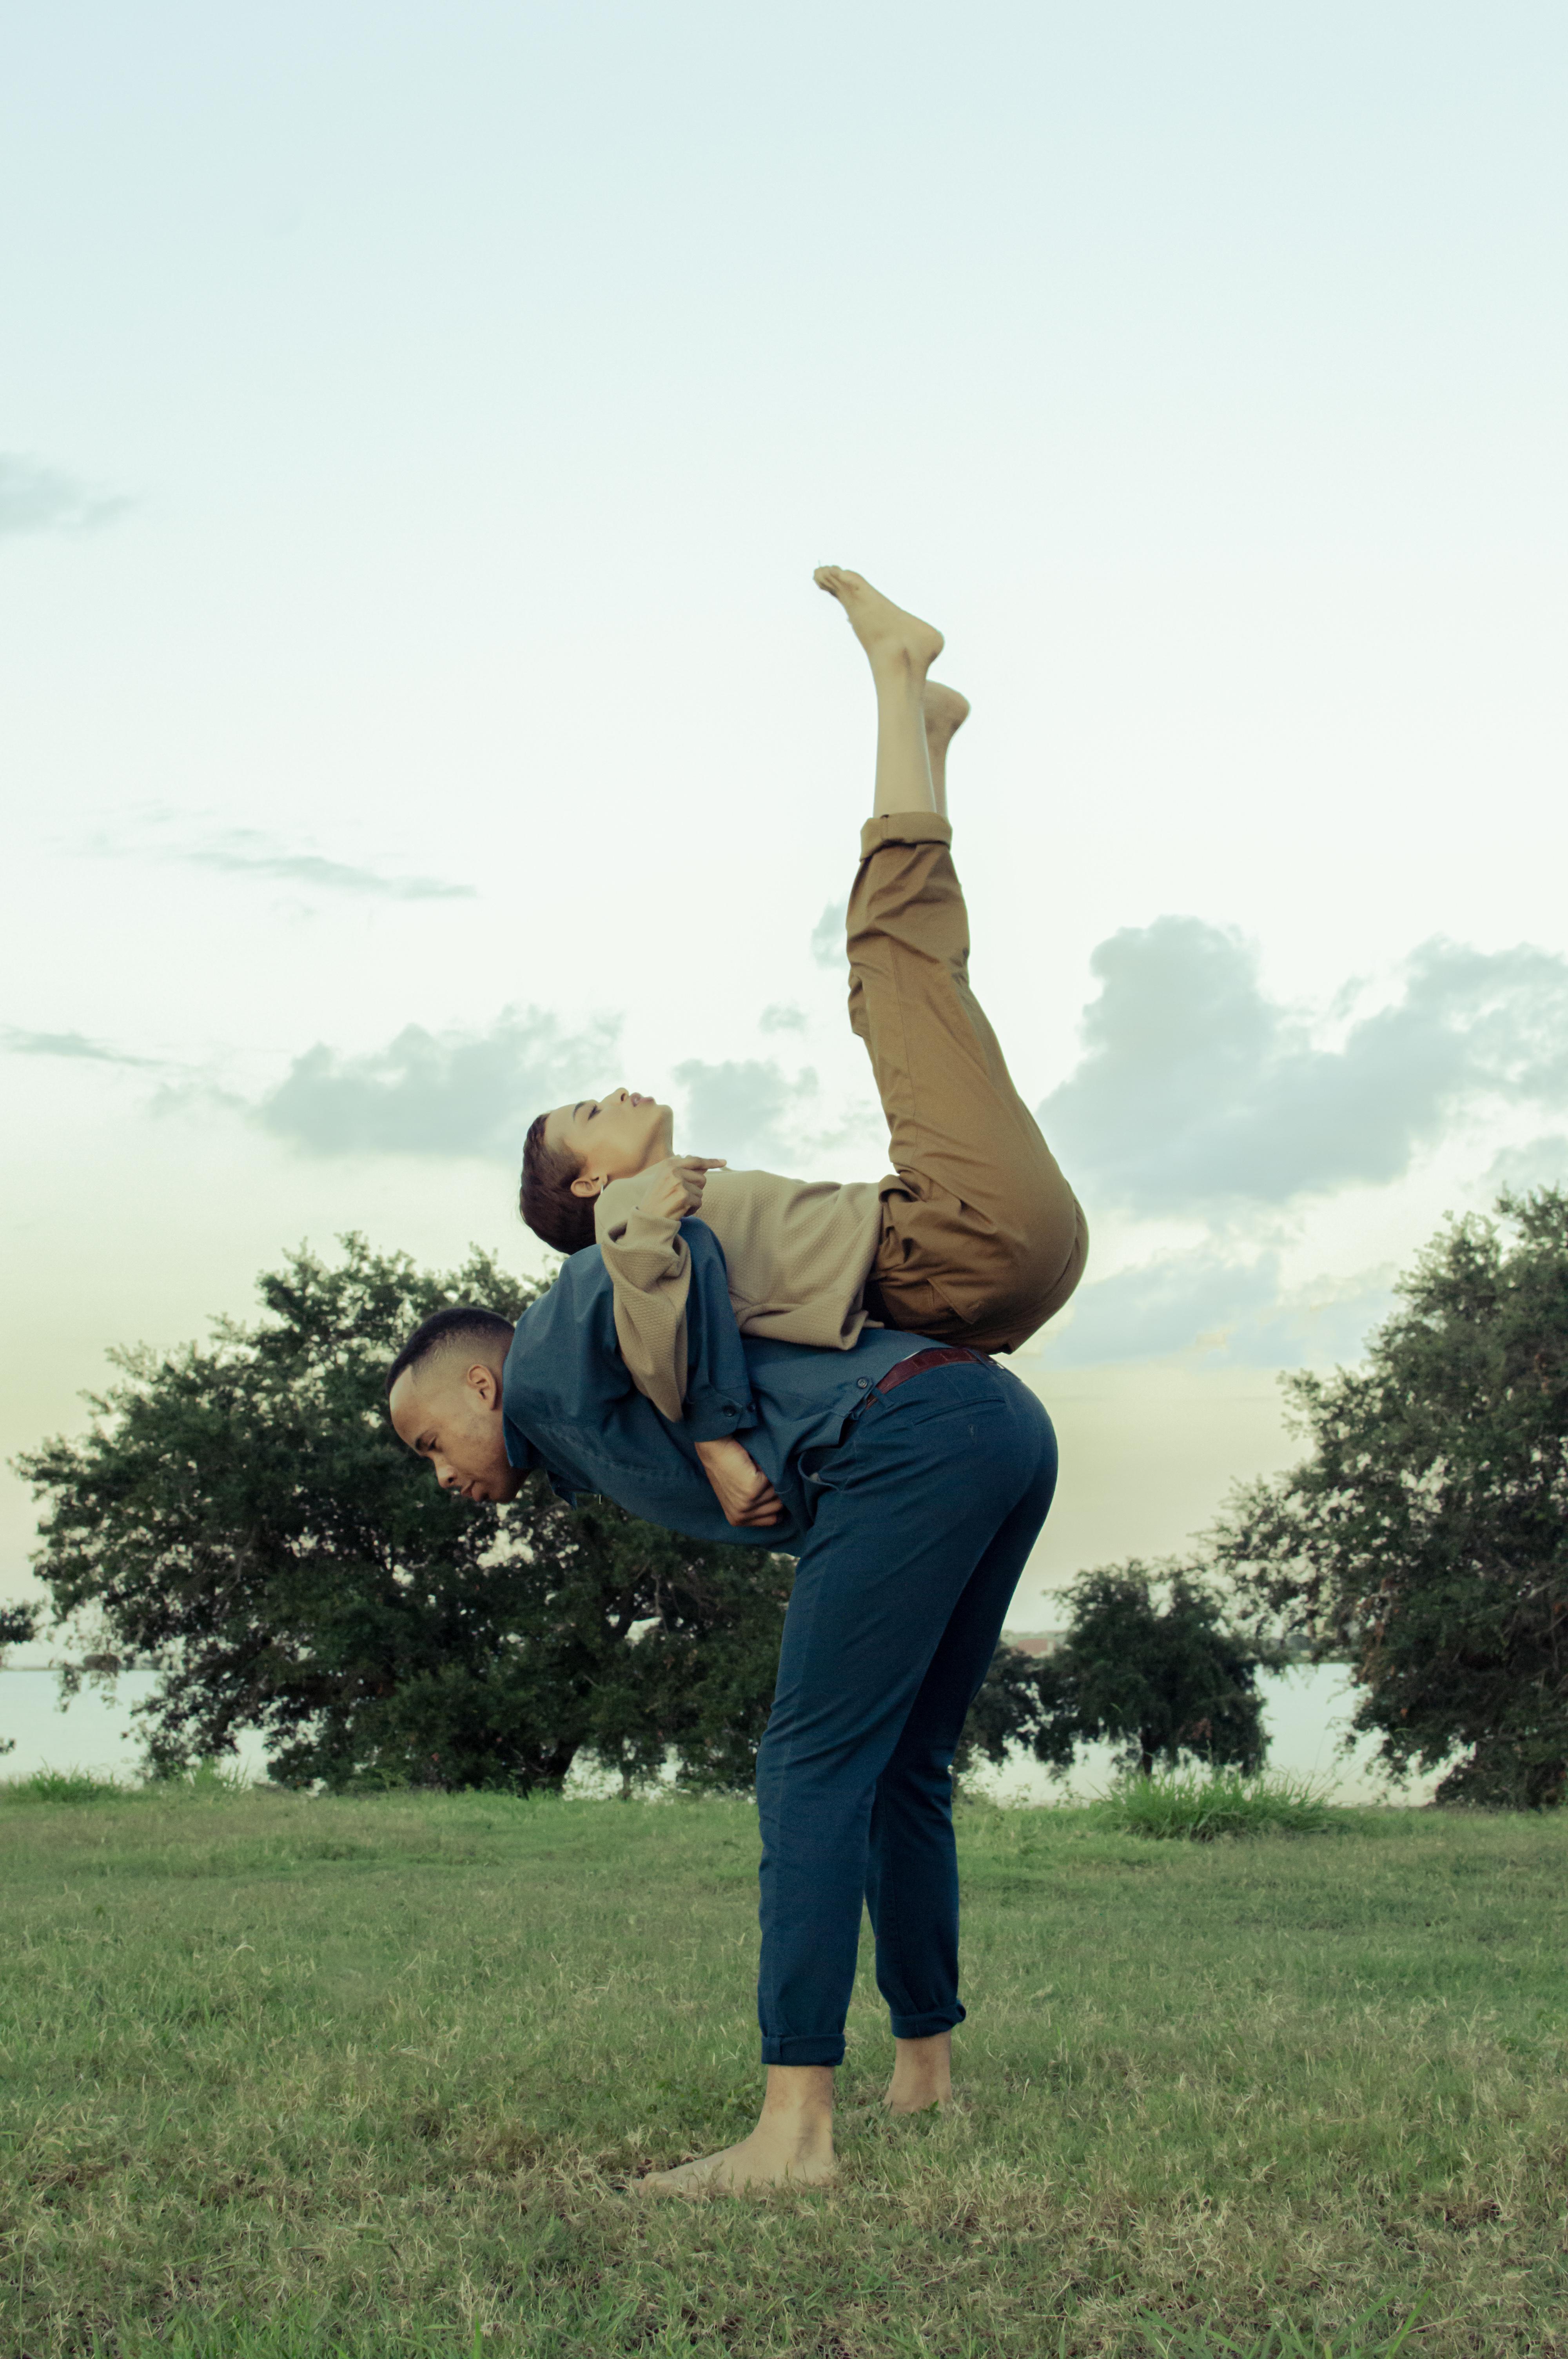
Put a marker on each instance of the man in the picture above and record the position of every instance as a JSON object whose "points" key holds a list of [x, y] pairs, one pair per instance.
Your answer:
{"points": [[910, 1479], [974, 1238]]}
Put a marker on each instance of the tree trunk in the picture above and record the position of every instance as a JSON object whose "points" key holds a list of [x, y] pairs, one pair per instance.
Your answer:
{"points": [[1146, 1752], [555, 1764]]}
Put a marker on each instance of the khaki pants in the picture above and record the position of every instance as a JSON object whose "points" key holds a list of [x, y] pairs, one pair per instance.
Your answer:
{"points": [[982, 1238]]}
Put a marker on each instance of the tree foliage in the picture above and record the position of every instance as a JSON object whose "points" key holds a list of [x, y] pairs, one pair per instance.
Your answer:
{"points": [[243, 1516], [1149, 1664], [1425, 1538], [17, 1623]]}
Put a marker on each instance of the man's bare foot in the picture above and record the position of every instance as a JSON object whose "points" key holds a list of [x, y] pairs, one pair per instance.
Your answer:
{"points": [[791, 2146], [922, 2075], [890, 636], [763, 2159]]}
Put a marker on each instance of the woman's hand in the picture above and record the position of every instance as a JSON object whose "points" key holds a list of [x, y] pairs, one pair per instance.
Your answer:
{"points": [[740, 1485], [678, 1183]]}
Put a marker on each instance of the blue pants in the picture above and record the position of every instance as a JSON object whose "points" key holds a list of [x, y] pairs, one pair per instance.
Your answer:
{"points": [[930, 1503]]}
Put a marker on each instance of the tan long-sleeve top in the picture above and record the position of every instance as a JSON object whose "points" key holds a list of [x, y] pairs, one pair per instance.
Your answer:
{"points": [[798, 1253]]}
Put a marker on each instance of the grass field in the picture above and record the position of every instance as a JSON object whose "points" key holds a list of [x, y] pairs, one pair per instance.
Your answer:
{"points": [[287, 2077]]}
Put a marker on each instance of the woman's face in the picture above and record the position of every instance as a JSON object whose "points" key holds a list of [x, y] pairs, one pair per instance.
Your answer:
{"points": [[610, 1137]]}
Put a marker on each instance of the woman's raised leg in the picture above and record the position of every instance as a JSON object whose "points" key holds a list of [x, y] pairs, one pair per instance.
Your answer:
{"points": [[984, 1240], [900, 650]]}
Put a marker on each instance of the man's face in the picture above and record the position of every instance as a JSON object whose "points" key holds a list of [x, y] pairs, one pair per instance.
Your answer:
{"points": [[610, 1137], [448, 1410]]}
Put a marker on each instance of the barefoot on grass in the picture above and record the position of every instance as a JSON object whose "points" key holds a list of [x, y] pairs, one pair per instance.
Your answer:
{"points": [[853, 2121], [922, 2075], [888, 635], [757, 2161]]}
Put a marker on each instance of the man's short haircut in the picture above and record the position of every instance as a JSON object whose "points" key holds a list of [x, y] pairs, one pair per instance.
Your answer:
{"points": [[463, 1321], [546, 1198]]}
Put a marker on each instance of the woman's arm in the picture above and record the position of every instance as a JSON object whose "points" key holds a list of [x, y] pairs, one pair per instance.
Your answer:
{"points": [[639, 1233], [718, 1402]]}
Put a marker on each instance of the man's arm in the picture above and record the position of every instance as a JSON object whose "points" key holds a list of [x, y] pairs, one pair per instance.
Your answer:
{"points": [[739, 1485]]}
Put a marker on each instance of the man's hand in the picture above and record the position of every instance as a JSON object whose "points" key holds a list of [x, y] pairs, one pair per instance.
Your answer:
{"points": [[740, 1485], [678, 1183]]}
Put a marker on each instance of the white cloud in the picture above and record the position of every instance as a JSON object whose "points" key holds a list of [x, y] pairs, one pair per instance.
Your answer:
{"points": [[249, 851], [22, 1043], [1197, 1098], [1218, 1311], [748, 1110], [1539, 1163], [35, 498], [453, 1093], [828, 936], [1197, 1091]]}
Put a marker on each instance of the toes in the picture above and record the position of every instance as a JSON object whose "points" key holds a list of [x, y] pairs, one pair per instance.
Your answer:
{"points": [[837, 580], [664, 2182]]}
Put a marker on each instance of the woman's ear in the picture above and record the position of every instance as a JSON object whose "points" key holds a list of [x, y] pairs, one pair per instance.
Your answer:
{"points": [[586, 1185]]}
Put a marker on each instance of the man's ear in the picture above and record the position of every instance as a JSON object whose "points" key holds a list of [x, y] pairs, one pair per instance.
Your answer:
{"points": [[485, 1383], [583, 1186]]}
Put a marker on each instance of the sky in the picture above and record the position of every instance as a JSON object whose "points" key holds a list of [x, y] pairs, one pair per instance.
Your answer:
{"points": [[417, 429]]}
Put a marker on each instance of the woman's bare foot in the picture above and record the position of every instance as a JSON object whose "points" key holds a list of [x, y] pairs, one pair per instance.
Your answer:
{"points": [[890, 637], [791, 2146], [945, 713]]}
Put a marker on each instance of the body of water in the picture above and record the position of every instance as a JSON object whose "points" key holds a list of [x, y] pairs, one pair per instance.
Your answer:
{"points": [[1306, 1713], [96, 1730]]}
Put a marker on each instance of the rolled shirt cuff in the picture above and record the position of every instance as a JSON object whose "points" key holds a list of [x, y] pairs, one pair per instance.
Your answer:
{"points": [[715, 1416], [647, 1248]]}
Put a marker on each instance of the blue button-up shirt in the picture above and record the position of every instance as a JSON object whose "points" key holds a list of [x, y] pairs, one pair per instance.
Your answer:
{"points": [[570, 1407]]}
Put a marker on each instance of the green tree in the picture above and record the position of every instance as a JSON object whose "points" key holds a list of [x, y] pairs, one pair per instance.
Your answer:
{"points": [[1005, 1713], [1425, 1538], [1148, 1663], [17, 1623], [242, 1516]]}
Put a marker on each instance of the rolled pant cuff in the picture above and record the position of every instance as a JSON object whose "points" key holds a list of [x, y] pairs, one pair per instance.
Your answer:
{"points": [[826, 2049], [904, 827], [927, 2027]]}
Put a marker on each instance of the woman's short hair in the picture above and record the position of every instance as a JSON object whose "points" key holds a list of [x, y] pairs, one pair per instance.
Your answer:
{"points": [[546, 1198]]}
